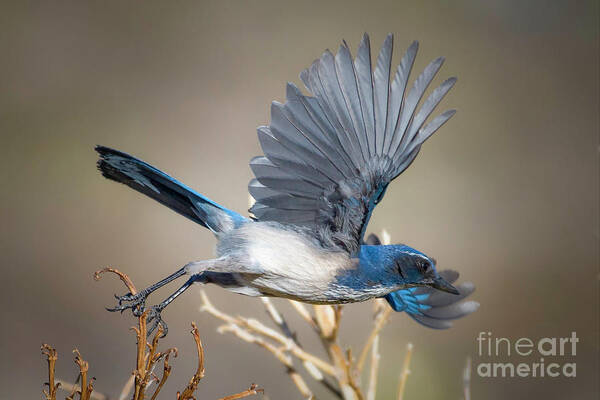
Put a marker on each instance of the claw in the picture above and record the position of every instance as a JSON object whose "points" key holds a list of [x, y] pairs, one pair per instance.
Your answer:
{"points": [[134, 302], [156, 319]]}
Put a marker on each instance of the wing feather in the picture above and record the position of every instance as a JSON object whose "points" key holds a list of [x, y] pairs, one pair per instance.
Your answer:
{"points": [[364, 78], [351, 95], [398, 87], [381, 88], [338, 104], [328, 158], [413, 98]]}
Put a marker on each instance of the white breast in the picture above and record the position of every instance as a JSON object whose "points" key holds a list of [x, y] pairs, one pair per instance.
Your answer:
{"points": [[291, 264]]}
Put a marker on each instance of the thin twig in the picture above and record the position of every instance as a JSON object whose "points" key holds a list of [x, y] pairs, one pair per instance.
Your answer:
{"points": [[467, 379], [325, 316], [328, 319], [233, 325], [257, 327], [51, 356], [140, 332], [188, 392], [248, 392], [282, 324], [86, 386], [375, 357], [405, 371], [127, 387], [278, 352], [305, 314], [380, 321], [278, 319], [74, 390], [166, 370], [126, 280]]}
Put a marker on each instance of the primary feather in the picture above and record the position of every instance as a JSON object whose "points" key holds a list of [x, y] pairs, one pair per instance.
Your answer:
{"points": [[328, 158]]}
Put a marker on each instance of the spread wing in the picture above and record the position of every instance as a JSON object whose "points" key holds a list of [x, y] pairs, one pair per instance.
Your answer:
{"points": [[328, 158]]}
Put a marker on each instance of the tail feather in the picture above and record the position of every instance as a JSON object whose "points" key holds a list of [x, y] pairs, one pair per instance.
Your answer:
{"points": [[431, 307], [146, 179]]}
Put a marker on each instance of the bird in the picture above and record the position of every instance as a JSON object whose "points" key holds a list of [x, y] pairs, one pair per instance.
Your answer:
{"points": [[328, 159]]}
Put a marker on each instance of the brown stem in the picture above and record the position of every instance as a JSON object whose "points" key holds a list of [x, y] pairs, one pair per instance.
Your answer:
{"points": [[126, 280], [51, 356], [188, 392], [405, 371], [248, 392], [166, 370], [86, 387]]}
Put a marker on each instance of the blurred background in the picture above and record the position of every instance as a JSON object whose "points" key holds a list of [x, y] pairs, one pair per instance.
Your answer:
{"points": [[506, 192]]}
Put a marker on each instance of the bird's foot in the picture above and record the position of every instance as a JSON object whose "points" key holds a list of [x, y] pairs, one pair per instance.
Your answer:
{"points": [[135, 302], [155, 319]]}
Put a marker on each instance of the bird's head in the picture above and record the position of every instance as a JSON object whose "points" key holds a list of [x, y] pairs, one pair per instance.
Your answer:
{"points": [[406, 266], [416, 268]]}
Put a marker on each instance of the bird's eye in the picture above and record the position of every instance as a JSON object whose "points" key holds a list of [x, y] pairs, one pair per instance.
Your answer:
{"points": [[425, 266]]}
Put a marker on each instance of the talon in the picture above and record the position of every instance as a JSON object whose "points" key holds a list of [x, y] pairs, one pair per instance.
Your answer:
{"points": [[156, 319], [136, 303]]}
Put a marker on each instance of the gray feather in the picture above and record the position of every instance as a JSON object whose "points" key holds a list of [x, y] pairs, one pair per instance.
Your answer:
{"points": [[452, 311], [432, 322], [398, 87], [364, 77], [290, 136], [288, 202], [349, 88], [337, 133], [299, 112], [335, 99], [283, 158], [428, 106], [258, 190], [271, 176], [431, 127], [413, 98], [381, 88]]}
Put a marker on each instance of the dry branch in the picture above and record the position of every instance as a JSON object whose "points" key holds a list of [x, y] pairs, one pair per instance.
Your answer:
{"points": [[86, 387], [375, 357], [467, 379], [51, 357], [126, 280], [283, 326], [248, 392], [188, 392], [405, 371], [257, 327]]}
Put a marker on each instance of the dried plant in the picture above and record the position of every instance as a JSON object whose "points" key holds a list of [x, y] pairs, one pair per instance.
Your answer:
{"points": [[467, 379], [284, 346], [188, 392], [51, 356], [147, 358]]}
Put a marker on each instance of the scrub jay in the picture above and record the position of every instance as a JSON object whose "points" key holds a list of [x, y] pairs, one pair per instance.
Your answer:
{"points": [[328, 160]]}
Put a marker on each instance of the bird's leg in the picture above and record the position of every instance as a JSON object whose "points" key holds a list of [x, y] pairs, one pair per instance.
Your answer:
{"points": [[136, 302], [154, 316]]}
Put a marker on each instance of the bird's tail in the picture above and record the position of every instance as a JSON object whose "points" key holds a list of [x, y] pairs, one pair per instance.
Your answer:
{"points": [[434, 308], [146, 179]]}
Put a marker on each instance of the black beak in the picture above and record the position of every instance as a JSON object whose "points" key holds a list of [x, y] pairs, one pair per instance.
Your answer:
{"points": [[440, 283]]}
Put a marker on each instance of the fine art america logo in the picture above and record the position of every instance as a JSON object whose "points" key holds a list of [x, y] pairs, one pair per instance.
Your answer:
{"points": [[526, 358]]}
